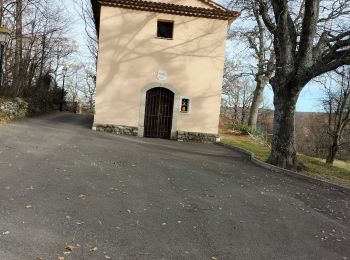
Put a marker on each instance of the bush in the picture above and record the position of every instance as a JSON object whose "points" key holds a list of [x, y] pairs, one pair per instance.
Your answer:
{"points": [[45, 96], [245, 129], [242, 128]]}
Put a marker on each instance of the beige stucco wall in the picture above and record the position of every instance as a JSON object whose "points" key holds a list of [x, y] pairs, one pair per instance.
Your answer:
{"points": [[130, 56]]}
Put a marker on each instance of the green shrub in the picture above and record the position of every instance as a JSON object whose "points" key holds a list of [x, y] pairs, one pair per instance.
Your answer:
{"points": [[243, 128], [45, 96]]}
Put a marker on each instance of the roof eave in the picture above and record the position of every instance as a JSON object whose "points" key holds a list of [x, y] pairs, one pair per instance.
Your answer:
{"points": [[217, 13]]}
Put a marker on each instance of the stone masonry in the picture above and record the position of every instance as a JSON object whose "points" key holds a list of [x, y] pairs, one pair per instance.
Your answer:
{"points": [[196, 137], [14, 108], [118, 129], [181, 135]]}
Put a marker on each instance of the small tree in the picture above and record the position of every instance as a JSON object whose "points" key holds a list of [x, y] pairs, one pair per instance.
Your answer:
{"points": [[237, 93], [337, 106], [259, 41]]}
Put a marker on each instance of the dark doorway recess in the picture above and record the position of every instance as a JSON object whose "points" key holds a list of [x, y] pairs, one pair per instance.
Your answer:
{"points": [[159, 113]]}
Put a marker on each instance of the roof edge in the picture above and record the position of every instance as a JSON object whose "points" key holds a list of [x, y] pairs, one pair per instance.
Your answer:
{"points": [[218, 12]]}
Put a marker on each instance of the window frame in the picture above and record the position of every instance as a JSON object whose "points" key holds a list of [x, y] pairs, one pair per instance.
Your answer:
{"points": [[169, 22], [189, 105]]}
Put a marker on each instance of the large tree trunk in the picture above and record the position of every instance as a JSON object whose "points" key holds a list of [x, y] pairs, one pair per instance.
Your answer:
{"points": [[243, 115], [257, 100], [332, 152], [283, 149]]}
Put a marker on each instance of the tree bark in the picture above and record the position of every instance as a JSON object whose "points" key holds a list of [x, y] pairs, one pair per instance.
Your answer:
{"points": [[43, 49], [283, 148], [332, 152], [1, 11], [257, 100], [18, 53]]}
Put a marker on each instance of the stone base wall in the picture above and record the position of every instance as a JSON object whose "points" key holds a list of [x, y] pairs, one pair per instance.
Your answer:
{"points": [[196, 137], [117, 129], [180, 135]]}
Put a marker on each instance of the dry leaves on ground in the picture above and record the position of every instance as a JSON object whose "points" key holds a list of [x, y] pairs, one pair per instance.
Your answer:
{"points": [[71, 248], [93, 249]]}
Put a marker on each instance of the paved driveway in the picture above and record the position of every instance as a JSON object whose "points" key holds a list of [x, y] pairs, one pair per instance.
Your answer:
{"points": [[128, 198]]}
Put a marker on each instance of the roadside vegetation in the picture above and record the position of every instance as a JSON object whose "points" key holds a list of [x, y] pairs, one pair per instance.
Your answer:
{"points": [[339, 173], [315, 48], [40, 63]]}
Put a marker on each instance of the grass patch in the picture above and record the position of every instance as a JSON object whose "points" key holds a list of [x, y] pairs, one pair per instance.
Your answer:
{"points": [[315, 167], [261, 150]]}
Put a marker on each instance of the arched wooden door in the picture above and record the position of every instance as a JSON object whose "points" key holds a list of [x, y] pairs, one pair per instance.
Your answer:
{"points": [[158, 113]]}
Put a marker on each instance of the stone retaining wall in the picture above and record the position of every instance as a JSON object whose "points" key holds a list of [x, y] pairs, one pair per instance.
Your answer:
{"points": [[117, 129], [180, 135], [196, 137], [14, 108]]}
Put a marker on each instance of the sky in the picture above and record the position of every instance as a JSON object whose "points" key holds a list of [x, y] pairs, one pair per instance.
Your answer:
{"points": [[76, 31], [309, 100]]}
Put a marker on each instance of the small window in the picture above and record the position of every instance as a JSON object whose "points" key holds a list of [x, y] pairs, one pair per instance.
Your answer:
{"points": [[165, 29], [185, 105]]}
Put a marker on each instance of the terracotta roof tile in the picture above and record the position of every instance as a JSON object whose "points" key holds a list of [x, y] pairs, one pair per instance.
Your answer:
{"points": [[214, 11]]}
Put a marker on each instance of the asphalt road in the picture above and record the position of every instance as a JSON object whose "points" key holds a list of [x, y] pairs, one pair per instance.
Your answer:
{"points": [[128, 198]]}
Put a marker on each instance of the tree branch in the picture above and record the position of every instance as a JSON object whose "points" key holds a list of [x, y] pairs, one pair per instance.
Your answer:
{"points": [[265, 16], [305, 52]]}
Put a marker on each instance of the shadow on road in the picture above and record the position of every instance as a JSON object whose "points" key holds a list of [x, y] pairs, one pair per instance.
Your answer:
{"points": [[66, 118]]}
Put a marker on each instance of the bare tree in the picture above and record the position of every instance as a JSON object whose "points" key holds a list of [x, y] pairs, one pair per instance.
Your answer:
{"points": [[37, 30], [259, 41], [18, 52], [337, 106], [246, 97], [230, 89], [307, 43], [90, 89], [237, 93], [87, 15], [62, 52]]}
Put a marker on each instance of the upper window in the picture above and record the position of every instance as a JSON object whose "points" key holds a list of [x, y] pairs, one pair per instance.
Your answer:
{"points": [[165, 29]]}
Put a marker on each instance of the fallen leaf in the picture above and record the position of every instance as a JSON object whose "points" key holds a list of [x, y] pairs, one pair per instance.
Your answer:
{"points": [[71, 248], [82, 196], [93, 249], [60, 258]]}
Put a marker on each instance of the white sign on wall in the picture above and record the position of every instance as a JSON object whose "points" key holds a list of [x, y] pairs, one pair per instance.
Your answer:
{"points": [[161, 75]]}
